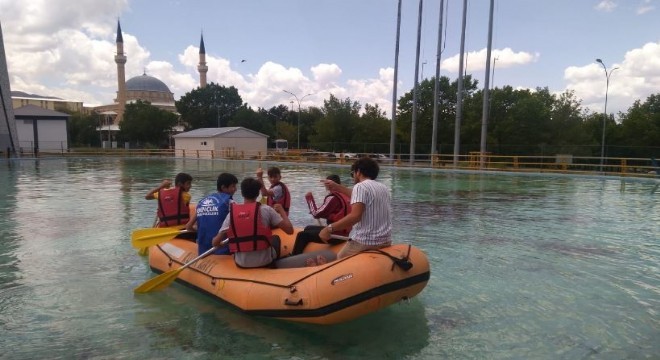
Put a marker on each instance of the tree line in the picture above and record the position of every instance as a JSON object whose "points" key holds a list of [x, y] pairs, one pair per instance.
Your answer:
{"points": [[521, 122]]}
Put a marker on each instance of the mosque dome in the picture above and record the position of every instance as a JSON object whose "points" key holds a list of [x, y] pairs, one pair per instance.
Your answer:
{"points": [[145, 82]]}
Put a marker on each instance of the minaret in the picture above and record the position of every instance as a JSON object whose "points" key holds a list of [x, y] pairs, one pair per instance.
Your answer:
{"points": [[120, 59], [202, 68]]}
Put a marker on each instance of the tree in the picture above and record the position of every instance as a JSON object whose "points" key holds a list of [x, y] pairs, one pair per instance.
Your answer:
{"points": [[249, 119], [372, 128], [210, 106], [447, 112], [337, 124], [82, 130], [640, 128], [568, 126], [144, 123]]}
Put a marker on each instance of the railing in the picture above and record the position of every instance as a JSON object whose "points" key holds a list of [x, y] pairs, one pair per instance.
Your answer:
{"points": [[639, 167]]}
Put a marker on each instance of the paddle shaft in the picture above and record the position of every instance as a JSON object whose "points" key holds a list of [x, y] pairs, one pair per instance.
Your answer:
{"points": [[339, 237], [165, 279]]}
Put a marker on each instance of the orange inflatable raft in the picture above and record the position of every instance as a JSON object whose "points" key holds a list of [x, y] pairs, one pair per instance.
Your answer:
{"points": [[312, 287]]}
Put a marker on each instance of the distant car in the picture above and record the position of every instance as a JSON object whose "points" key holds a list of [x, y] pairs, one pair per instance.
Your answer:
{"points": [[319, 156], [346, 155], [380, 157]]}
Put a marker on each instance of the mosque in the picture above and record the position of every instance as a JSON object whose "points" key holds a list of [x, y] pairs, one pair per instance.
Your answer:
{"points": [[143, 87]]}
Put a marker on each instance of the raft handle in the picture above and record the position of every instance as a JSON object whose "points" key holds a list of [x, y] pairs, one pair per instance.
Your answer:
{"points": [[293, 303]]}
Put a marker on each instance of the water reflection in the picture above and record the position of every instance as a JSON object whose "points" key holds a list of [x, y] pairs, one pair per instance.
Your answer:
{"points": [[396, 332]]}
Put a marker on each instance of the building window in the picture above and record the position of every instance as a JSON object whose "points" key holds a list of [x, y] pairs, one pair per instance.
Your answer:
{"points": [[204, 143]]}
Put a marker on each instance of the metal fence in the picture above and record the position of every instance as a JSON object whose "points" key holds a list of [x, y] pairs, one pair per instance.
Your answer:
{"points": [[562, 163]]}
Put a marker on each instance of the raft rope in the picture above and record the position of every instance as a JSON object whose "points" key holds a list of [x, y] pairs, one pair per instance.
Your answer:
{"points": [[404, 263]]}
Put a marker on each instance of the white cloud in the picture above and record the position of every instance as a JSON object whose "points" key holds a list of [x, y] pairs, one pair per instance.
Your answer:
{"points": [[326, 74], [645, 7], [606, 5], [637, 77], [476, 60]]}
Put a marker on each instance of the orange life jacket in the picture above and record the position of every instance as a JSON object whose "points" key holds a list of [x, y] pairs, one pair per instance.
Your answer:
{"points": [[246, 231], [285, 200], [171, 208], [345, 210]]}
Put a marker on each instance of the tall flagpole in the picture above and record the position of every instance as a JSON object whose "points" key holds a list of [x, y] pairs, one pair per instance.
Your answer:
{"points": [[436, 91], [459, 95], [484, 117], [396, 73], [413, 129]]}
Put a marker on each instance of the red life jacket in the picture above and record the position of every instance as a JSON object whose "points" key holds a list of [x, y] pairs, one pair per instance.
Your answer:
{"points": [[345, 210], [246, 231], [172, 210], [285, 200]]}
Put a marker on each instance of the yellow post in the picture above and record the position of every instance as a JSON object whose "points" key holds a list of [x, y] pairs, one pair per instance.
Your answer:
{"points": [[623, 166]]}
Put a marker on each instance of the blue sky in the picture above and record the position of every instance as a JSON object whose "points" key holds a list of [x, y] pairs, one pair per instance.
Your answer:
{"points": [[344, 47]]}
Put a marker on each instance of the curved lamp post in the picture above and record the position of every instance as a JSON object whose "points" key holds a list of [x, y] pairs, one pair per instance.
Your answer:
{"points": [[299, 101], [607, 86]]}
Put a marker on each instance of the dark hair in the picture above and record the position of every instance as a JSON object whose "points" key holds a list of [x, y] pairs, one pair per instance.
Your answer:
{"points": [[334, 178], [250, 188], [182, 178], [367, 166], [226, 180], [274, 171]]}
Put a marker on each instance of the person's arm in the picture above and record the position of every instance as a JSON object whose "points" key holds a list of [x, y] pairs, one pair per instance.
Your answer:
{"points": [[191, 223], [333, 186], [344, 223], [329, 206], [285, 224], [224, 228], [217, 240], [164, 185], [260, 178]]}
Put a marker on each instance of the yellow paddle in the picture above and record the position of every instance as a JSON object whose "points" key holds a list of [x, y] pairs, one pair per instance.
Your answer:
{"points": [[144, 238], [165, 279]]}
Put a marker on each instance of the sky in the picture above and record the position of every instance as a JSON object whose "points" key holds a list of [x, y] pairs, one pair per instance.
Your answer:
{"points": [[314, 48]]}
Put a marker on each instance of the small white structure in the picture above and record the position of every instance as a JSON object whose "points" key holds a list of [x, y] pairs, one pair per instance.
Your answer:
{"points": [[41, 129], [225, 142]]}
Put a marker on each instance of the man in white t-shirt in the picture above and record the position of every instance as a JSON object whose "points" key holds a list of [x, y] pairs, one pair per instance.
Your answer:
{"points": [[371, 214]]}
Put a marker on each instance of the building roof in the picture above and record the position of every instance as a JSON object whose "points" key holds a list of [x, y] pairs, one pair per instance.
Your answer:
{"points": [[32, 111], [145, 82], [24, 95], [214, 132]]}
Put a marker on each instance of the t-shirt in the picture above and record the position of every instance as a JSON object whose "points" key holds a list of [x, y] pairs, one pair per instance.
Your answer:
{"points": [[375, 227], [278, 192], [211, 212], [250, 259]]}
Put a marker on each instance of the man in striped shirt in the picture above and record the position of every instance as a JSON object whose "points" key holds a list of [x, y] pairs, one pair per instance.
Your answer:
{"points": [[371, 214]]}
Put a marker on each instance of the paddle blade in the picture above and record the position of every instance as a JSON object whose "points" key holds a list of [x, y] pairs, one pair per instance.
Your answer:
{"points": [[159, 282], [144, 238]]}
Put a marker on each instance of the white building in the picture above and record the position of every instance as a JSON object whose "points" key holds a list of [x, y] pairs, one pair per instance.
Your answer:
{"points": [[225, 142], [41, 129]]}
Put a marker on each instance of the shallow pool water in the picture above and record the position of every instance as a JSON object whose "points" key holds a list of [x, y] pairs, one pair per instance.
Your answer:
{"points": [[523, 266]]}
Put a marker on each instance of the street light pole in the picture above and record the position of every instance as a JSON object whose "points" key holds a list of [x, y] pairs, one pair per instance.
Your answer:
{"points": [[607, 86], [299, 101]]}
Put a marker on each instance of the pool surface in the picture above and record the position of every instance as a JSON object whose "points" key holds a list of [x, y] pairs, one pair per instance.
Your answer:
{"points": [[522, 266]]}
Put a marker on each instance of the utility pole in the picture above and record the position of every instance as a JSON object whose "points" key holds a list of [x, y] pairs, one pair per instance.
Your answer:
{"points": [[436, 88], [484, 116], [396, 72], [413, 130], [459, 95], [299, 101]]}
